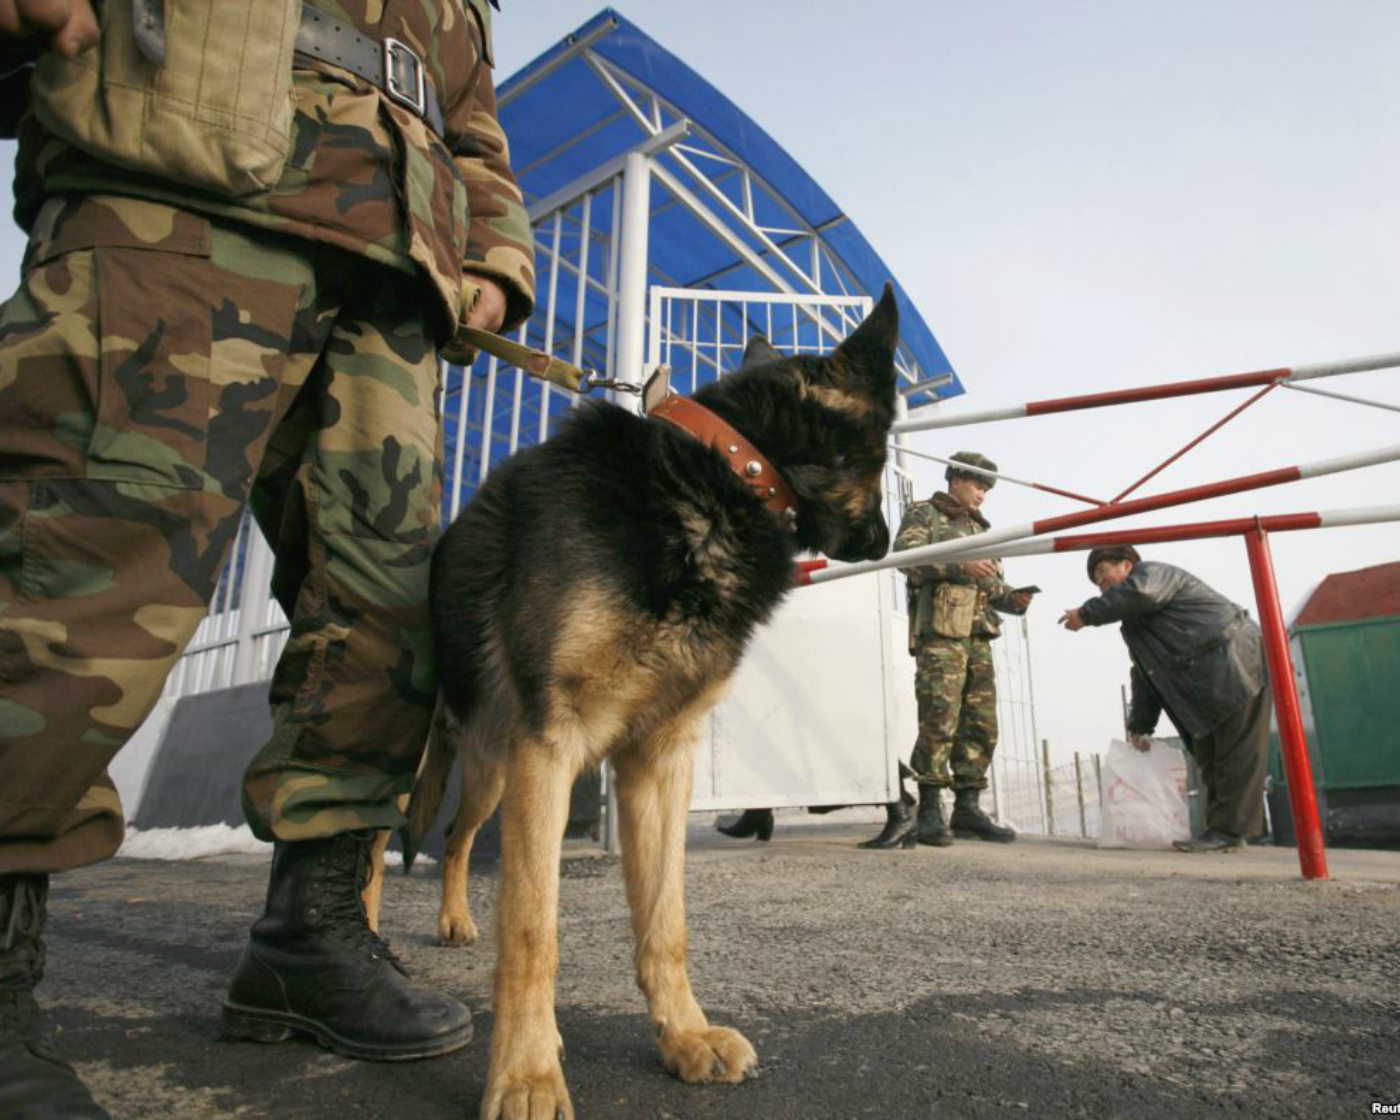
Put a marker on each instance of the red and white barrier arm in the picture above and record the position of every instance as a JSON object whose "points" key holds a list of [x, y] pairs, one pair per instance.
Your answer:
{"points": [[961, 548], [1152, 392], [1199, 530]]}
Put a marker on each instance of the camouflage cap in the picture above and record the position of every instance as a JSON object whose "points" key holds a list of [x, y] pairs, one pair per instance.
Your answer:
{"points": [[972, 459]]}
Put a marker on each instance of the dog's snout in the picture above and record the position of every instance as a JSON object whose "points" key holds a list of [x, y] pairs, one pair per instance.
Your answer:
{"points": [[879, 542], [870, 540]]}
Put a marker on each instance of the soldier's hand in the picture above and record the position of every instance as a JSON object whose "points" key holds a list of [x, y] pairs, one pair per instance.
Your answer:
{"points": [[69, 25], [1071, 621], [489, 310], [980, 569], [1139, 741]]}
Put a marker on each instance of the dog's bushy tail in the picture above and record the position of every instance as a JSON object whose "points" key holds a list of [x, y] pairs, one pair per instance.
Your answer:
{"points": [[428, 790]]}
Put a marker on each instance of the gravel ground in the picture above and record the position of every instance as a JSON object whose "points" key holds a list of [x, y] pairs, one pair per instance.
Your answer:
{"points": [[978, 980]]}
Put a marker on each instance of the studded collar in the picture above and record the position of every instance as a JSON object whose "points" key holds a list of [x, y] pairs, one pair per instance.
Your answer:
{"points": [[744, 459]]}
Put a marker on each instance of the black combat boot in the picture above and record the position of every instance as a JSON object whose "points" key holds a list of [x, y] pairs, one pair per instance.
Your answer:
{"points": [[313, 965], [970, 823], [930, 829], [899, 830], [754, 822], [35, 1082]]}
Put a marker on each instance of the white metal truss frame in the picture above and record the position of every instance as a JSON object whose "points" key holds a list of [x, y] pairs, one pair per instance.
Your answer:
{"points": [[665, 335], [702, 167]]}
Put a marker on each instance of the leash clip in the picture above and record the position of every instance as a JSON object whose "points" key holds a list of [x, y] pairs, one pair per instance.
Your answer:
{"points": [[592, 381]]}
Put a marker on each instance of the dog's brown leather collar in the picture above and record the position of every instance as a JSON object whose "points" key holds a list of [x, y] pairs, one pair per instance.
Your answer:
{"points": [[743, 457]]}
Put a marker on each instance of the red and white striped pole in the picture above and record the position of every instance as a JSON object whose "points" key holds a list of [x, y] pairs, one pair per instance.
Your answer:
{"points": [[1282, 376], [946, 550], [1199, 530]]}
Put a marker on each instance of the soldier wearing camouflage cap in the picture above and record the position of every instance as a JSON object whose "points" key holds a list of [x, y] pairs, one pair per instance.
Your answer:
{"points": [[211, 319], [952, 621]]}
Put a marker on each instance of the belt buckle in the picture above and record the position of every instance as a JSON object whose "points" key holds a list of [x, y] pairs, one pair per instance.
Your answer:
{"points": [[409, 89]]}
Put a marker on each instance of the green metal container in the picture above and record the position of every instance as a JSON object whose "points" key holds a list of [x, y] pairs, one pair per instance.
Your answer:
{"points": [[1348, 676]]}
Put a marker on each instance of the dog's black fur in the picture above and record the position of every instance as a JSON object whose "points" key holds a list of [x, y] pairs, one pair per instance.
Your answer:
{"points": [[592, 602], [617, 498]]}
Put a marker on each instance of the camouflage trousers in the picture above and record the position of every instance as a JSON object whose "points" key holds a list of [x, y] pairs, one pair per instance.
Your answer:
{"points": [[956, 690], [158, 371]]}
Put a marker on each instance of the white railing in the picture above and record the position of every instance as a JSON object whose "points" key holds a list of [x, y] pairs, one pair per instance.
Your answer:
{"points": [[701, 334], [242, 636]]}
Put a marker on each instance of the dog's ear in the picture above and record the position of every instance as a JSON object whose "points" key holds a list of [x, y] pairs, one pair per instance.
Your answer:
{"points": [[759, 352], [870, 348]]}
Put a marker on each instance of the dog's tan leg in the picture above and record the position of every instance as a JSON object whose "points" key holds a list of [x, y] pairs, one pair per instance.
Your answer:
{"points": [[483, 780], [373, 893], [653, 787], [525, 1078]]}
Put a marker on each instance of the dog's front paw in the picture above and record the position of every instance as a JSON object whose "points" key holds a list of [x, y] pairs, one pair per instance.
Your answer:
{"points": [[712, 1054], [456, 929], [538, 1096]]}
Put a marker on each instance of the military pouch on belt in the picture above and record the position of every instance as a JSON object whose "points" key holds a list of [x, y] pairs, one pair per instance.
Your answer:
{"points": [[954, 608], [920, 608], [195, 91]]}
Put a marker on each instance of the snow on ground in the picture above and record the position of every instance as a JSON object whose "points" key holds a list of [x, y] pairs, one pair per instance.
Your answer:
{"points": [[206, 841]]}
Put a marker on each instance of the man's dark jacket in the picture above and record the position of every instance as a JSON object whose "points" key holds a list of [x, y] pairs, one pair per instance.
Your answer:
{"points": [[1195, 654]]}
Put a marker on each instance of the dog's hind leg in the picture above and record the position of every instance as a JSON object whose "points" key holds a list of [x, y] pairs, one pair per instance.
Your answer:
{"points": [[525, 1078], [483, 779], [373, 892], [653, 788]]}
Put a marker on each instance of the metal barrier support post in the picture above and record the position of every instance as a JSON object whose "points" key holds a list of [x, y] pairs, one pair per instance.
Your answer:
{"points": [[1049, 787], [1301, 796], [1079, 788], [1098, 785]]}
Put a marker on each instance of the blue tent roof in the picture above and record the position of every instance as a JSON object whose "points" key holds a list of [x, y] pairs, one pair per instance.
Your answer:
{"points": [[563, 121]]}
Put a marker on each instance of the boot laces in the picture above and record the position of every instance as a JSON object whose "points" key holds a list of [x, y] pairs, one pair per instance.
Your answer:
{"points": [[344, 908], [21, 948], [20, 1017]]}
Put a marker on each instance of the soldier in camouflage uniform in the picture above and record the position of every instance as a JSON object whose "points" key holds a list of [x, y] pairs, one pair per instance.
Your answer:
{"points": [[170, 356], [954, 682]]}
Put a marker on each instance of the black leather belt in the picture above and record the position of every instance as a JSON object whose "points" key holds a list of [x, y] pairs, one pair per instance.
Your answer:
{"points": [[390, 64]]}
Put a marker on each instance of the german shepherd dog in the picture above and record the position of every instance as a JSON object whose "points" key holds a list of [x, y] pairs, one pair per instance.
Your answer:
{"points": [[592, 602]]}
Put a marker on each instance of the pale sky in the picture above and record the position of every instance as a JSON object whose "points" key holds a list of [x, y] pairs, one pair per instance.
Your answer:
{"points": [[1090, 195], [1082, 196]]}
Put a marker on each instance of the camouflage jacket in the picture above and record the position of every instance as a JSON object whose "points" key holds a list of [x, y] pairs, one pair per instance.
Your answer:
{"points": [[944, 518], [365, 173]]}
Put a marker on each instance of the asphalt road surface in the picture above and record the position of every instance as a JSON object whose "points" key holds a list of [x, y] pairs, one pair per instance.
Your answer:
{"points": [[980, 980]]}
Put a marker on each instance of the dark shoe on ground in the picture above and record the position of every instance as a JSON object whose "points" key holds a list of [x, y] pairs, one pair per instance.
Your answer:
{"points": [[1211, 841], [35, 1083], [313, 966], [899, 825], [971, 823], [930, 829], [753, 822]]}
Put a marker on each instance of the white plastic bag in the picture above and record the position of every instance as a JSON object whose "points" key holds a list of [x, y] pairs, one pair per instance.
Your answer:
{"points": [[1144, 797]]}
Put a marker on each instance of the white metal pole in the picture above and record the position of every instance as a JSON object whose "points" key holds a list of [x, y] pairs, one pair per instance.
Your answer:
{"points": [[459, 452], [552, 320], [901, 441], [488, 418], [632, 275], [628, 365], [252, 606]]}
